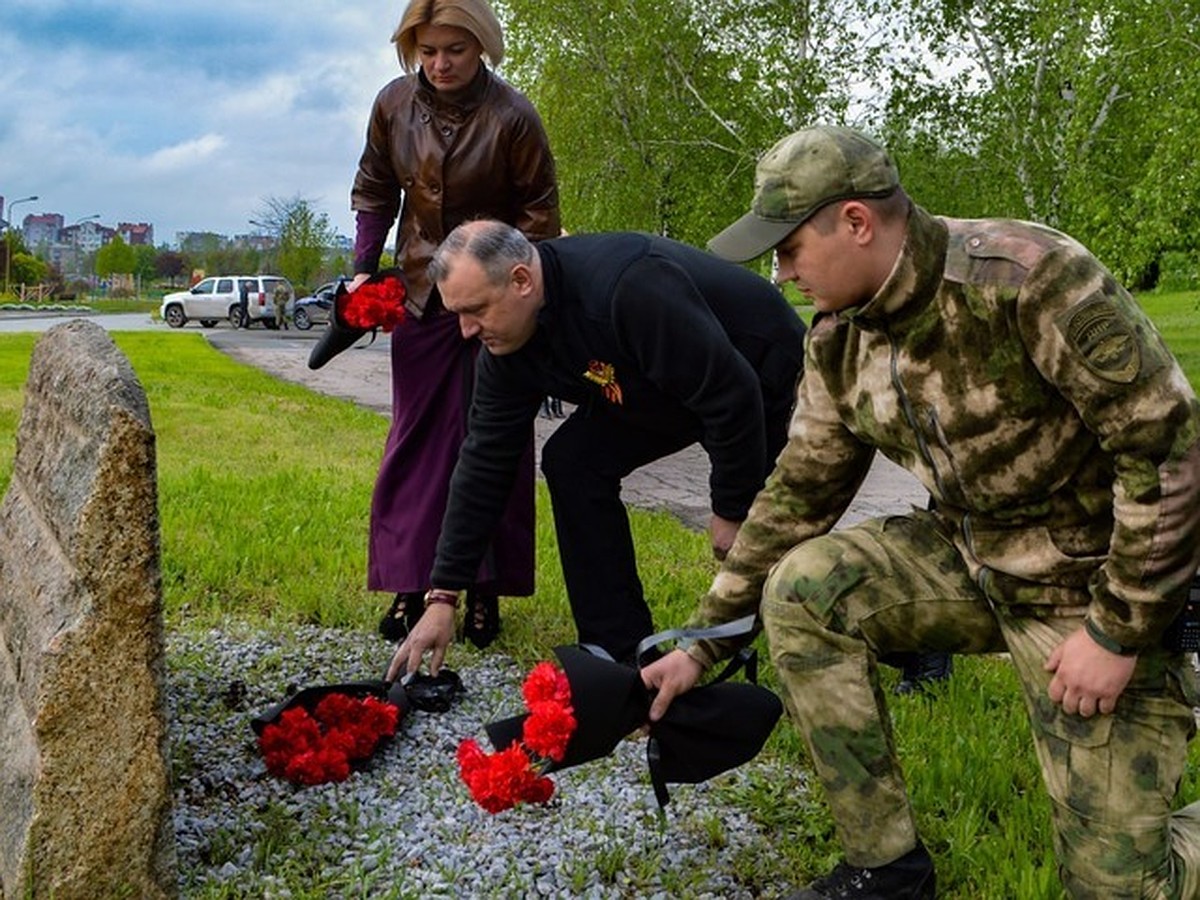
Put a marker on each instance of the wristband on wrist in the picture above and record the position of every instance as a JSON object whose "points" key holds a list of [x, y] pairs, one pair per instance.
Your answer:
{"points": [[1105, 641], [440, 595]]}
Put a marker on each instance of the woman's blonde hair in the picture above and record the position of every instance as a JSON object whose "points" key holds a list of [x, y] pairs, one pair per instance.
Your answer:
{"points": [[474, 16]]}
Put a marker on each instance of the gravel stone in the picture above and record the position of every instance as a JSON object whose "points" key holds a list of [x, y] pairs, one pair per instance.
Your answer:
{"points": [[404, 825]]}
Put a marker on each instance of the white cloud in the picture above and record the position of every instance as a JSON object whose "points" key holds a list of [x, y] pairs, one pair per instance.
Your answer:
{"points": [[185, 155], [188, 115]]}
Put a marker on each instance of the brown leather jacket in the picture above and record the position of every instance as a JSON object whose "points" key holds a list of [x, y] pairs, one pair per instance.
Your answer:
{"points": [[484, 155]]}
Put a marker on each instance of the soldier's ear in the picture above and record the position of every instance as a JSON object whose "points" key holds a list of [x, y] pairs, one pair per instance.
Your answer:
{"points": [[859, 219]]}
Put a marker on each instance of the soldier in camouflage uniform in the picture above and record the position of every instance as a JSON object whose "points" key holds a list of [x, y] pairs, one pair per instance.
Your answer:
{"points": [[1001, 364]]}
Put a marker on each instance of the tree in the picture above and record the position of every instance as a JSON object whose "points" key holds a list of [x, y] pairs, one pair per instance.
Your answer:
{"points": [[115, 258], [657, 111], [20, 266], [169, 264], [1137, 198], [1077, 113], [144, 259], [304, 237]]}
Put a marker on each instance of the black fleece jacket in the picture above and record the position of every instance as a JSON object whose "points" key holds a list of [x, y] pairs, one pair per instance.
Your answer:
{"points": [[659, 334]]}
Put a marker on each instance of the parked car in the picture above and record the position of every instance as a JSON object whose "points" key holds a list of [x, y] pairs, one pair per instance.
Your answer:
{"points": [[317, 308], [213, 299]]}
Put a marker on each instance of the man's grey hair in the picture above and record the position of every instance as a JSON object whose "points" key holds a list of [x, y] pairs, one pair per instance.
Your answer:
{"points": [[497, 247]]}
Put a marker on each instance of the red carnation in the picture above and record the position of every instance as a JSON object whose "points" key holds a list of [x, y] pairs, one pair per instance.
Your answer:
{"points": [[546, 683], [499, 781], [373, 304], [313, 748], [548, 729]]}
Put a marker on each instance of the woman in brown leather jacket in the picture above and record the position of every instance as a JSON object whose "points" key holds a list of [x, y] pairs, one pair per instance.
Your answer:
{"points": [[447, 142]]}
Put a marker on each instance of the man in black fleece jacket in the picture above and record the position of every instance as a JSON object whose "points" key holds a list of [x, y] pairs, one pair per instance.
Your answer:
{"points": [[660, 345]]}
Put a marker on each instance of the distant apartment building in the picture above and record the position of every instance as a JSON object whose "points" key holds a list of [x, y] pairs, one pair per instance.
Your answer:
{"points": [[88, 237], [136, 234], [41, 230]]}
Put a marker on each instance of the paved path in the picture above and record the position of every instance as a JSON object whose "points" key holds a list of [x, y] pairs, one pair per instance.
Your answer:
{"points": [[677, 483]]}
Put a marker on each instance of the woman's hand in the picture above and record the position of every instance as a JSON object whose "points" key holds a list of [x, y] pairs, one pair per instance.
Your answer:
{"points": [[433, 632]]}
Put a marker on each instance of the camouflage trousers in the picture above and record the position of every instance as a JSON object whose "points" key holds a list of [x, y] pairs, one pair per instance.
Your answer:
{"points": [[836, 603]]}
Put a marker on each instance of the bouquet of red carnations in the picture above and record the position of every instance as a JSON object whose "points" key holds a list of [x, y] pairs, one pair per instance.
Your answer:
{"points": [[499, 781], [319, 745], [376, 303]]}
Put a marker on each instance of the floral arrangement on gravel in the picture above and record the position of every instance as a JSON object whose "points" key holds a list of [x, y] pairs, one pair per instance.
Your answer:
{"points": [[499, 781], [320, 746], [373, 304]]}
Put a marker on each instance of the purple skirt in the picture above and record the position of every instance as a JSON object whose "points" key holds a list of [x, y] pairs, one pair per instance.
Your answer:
{"points": [[433, 371]]}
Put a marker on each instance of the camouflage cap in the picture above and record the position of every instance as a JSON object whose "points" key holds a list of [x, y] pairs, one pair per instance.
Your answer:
{"points": [[795, 178]]}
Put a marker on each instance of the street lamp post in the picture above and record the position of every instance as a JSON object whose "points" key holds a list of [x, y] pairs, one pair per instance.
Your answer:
{"points": [[8, 248]]}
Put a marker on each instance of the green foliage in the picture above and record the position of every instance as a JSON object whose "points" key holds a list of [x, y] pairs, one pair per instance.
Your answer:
{"points": [[303, 237], [1179, 271], [115, 257], [212, 254], [677, 108], [302, 243], [1077, 113], [21, 266], [144, 257]]}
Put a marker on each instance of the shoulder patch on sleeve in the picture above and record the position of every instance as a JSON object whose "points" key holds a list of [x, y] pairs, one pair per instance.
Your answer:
{"points": [[1099, 333]]}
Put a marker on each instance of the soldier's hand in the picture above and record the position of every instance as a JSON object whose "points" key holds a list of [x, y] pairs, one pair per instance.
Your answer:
{"points": [[433, 633], [671, 676], [1087, 678]]}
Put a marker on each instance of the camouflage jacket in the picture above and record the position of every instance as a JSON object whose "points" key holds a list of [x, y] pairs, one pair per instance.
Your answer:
{"points": [[1002, 365]]}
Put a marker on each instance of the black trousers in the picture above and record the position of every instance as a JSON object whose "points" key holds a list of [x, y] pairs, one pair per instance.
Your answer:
{"points": [[584, 462]]}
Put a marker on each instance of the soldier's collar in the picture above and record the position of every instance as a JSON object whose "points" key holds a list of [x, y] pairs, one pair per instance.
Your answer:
{"points": [[914, 278]]}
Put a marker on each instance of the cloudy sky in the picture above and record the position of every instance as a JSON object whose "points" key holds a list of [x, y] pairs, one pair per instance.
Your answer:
{"points": [[187, 114]]}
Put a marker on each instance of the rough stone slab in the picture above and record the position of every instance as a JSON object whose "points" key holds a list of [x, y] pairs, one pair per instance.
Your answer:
{"points": [[85, 807]]}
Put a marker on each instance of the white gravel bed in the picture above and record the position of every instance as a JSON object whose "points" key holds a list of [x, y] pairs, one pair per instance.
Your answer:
{"points": [[406, 826]]}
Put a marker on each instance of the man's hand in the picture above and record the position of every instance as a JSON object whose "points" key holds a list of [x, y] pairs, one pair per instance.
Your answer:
{"points": [[672, 675], [434, 631], [358, 279], [1087, 678], [722, 532]]}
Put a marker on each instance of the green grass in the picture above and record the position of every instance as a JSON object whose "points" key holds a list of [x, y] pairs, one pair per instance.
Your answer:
{"points": [[264, 491]]}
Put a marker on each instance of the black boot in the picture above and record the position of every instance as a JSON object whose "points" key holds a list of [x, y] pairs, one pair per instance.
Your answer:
{"points": [[922, 671], [405, 611], [911, 877], [481, 623]]}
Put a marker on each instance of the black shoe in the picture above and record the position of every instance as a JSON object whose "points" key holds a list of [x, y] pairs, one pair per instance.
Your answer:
{"points": [[405, 611], [923, 670], [481, 624], [911, 877]]}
